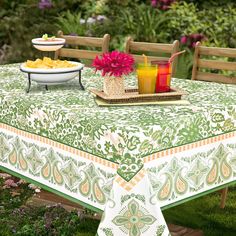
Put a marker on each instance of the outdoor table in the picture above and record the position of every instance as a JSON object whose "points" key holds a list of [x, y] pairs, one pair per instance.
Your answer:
{"points": [[130, 162]]}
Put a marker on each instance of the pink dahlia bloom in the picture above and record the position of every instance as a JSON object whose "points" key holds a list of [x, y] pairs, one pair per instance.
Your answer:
{"points": [[114, 64], [184, 39]]}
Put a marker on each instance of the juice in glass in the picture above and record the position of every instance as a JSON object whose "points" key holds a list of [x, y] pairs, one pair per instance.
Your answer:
{"points": [[163, 76], [147, 75]]}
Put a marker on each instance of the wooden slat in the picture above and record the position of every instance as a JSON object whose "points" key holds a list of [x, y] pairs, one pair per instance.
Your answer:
{"points": [[105, 43], [76, 53], [213, 51], [83, 41], [139, 58], [212, 77], [213, 64], [195, 60], [151, 47], [175, 49], [127, 44]]}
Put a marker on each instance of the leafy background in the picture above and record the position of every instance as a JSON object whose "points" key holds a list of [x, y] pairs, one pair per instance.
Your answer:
{"points": [[146, 20]]}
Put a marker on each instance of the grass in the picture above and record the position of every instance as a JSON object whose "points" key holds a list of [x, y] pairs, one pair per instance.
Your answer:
{"points": [[202, 213]]}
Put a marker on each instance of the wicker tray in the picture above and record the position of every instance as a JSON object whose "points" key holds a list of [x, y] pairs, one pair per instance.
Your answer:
{"points": [[132, 95]]}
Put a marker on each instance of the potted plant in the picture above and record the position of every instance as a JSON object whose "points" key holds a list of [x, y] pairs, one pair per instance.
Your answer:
{"points": [[114, 65]]}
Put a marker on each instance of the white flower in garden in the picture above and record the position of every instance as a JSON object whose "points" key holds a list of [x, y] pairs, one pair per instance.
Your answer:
{"points": [[31, 186], [91, 20], [82, 21], [21, 181], [36, 188], [101, 18]]}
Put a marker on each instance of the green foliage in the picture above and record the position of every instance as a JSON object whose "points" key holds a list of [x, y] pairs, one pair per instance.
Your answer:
{"points": [[183, 20], [220, 27], [16, 219], [91, 7], [44, 221], [203, 4], [22, 20], [21, 26], [10, 201], [70, 23], [204, 213], [109, 7], [217, 24], [144, 23], [184, 65]]}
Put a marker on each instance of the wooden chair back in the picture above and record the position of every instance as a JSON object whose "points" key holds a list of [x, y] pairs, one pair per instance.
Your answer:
{"points": [[199, 63], [157, 48], [102, 43]]}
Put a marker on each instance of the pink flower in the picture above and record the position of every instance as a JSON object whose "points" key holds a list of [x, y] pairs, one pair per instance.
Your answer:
{"points": [[44, 4], [166, 1], [197, 37], [114, 64], [193, 44], [154, 3], [184, 39], [4, 175], [10, 183], [165, 7]]}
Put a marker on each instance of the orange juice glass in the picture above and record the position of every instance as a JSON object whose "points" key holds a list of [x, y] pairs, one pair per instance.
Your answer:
{"points": [[147, 75]]}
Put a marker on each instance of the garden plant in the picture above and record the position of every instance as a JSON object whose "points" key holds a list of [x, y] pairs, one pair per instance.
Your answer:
{"points": [[211, 22]]}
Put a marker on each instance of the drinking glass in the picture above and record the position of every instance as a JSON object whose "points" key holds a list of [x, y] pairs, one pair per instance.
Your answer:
{"points": [[163, 76], [147, 75]]}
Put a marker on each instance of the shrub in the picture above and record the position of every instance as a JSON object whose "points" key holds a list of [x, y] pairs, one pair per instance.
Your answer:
{"points": [[144, 23], [71, 23], [214, 27]]}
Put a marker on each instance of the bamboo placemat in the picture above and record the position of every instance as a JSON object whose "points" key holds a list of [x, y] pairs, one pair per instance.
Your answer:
{"points": [[132, 96], [103, 103]]}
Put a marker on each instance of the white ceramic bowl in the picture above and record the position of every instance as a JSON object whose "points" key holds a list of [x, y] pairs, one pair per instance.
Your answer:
{"points": [[52, 76], [48, 45]]}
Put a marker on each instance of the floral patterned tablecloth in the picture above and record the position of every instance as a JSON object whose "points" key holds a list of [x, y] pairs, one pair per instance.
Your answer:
{"points": [[125, 160]]}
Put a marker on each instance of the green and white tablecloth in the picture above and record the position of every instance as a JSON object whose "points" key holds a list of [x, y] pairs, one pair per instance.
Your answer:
{"points": [[126, 161]]}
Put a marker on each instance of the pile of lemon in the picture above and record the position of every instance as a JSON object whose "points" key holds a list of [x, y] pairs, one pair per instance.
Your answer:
{"points": [[48, 63]]}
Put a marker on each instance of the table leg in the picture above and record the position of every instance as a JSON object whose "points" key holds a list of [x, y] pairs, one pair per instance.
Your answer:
{"points": [[80, 82], [29, 83], [223, 197]]}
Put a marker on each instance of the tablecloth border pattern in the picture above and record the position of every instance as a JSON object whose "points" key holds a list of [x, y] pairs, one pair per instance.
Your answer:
{"points": [[61, 146], [189, 146], [78, 177], [128, 185]]}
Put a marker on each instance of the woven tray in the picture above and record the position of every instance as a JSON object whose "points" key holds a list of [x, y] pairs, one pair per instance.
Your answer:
{"points": [[132, 95]]}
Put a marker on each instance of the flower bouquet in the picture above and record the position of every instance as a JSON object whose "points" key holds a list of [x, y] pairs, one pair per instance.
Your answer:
{"points": [[114, 65]]}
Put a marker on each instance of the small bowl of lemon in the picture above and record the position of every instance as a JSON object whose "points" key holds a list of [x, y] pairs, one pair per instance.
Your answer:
{"points": [[48, 44]]}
